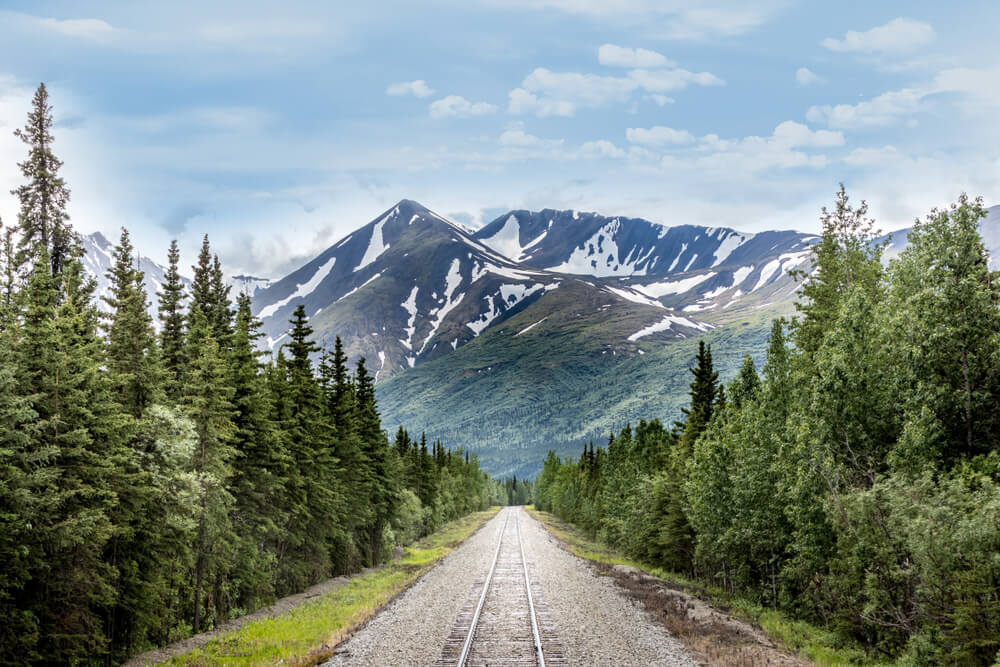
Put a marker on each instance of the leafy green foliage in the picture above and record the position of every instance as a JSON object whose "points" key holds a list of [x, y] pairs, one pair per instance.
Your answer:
{"points": [[856, 484]]}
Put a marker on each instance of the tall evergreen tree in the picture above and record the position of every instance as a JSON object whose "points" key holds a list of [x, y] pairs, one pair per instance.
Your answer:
{"points": [[311, 446], [171, 313], [132, 359], [42, 218], [380, 491], [676, 537], [73, 449], [261, 465], [207, 397], [221, 306]]}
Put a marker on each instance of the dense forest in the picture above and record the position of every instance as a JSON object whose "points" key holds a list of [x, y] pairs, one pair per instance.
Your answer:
{"points": [[159, 477], [855, 480]]}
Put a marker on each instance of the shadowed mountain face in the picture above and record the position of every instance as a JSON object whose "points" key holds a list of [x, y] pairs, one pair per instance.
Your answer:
{"points": [[587, 243]]}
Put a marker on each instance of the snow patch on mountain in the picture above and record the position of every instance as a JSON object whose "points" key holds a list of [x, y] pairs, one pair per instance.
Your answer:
{"points": [[667, 323], [740, 274], [507, 240], [730, 243], [510, 296], [452, 281], [301, 291], [376, 246], [530, 326], [684, 246], [634, 296], [410, 305], [365, 283], [659, 289], [600, 256]]}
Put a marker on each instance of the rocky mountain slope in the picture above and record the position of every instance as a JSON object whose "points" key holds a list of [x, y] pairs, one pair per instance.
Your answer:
{"points": [[411, 286]]}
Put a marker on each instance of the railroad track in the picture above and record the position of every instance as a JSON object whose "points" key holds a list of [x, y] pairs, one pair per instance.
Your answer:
{"points": [[504, 621]]}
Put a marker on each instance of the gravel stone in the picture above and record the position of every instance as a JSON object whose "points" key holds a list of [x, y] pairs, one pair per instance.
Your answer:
{"points": [[597, 624]]}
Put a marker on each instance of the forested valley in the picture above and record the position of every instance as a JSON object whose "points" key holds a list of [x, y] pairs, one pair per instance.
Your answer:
{"points": [[156, 480], [854, 481]]}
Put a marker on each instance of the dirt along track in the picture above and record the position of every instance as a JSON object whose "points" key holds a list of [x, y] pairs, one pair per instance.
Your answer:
{"points": [[509, 595]]}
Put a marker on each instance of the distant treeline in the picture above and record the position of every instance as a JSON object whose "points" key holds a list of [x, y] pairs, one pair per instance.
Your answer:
{"points": [[856, 482], [155, 483]]}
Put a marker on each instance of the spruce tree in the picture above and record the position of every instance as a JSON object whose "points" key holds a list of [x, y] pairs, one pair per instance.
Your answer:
{"points": [[311, 446], [206, 398], [73, 448], [676, 538], [261, 465], [42, 218], [132, 359], [221, 306], [171, 313], [351, 462], [380, 492], [203, 296]]}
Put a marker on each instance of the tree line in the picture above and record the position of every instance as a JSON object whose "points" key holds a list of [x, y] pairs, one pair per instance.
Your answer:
{"points": [[155, 481], [854, 480]]}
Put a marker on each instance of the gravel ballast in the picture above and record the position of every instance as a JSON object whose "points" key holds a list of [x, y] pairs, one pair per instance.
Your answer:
{"points": [[596, 622]]}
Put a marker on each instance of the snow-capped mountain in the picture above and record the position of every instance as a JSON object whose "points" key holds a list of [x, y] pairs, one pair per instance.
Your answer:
{"points": [[411, 286], [709, 270], [97, 260]]}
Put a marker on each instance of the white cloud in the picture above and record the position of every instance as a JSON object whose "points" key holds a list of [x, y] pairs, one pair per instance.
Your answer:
{"points": [[899, 35], [664, 19], [620, 56], [804, 76], [418, 88], [882, 110], [873, 157], [458, 107], [664, 80], [521, 101], [782, 150], [95, 29], [977, 86], [658, 136], [661, 100], [522, 139], [791, 133], [547, 93], [602, 148]]}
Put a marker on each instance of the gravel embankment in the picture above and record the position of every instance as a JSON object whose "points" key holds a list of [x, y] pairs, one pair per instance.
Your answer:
{"points": [[596, 622], [413, 629]]}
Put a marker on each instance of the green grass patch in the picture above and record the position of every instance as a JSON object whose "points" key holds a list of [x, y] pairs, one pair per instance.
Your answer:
{"points": [[812, 643], [307, 634]]}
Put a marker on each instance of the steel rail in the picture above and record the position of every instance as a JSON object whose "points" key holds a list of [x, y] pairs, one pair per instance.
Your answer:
{"points": [[482, 597], [531, 602]]}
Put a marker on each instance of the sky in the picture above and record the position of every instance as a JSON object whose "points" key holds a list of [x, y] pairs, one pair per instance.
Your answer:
{"points": [[278, 128]]}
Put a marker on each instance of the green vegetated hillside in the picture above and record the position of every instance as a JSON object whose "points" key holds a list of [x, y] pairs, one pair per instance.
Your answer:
{"points": [[512, 398]]}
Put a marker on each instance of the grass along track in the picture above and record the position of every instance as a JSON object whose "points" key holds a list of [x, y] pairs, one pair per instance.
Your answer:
{"points": [[718, 628], [309, 633]]}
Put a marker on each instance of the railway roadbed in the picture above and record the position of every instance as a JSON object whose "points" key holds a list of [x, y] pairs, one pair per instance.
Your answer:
{"points": [[511, 596]]}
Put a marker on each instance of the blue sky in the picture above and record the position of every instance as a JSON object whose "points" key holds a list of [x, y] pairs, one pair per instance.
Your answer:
{"points": [[277, 128]]}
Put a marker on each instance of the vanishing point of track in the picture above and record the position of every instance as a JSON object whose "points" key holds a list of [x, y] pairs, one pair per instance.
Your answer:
{"points": [[502, 623]]}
